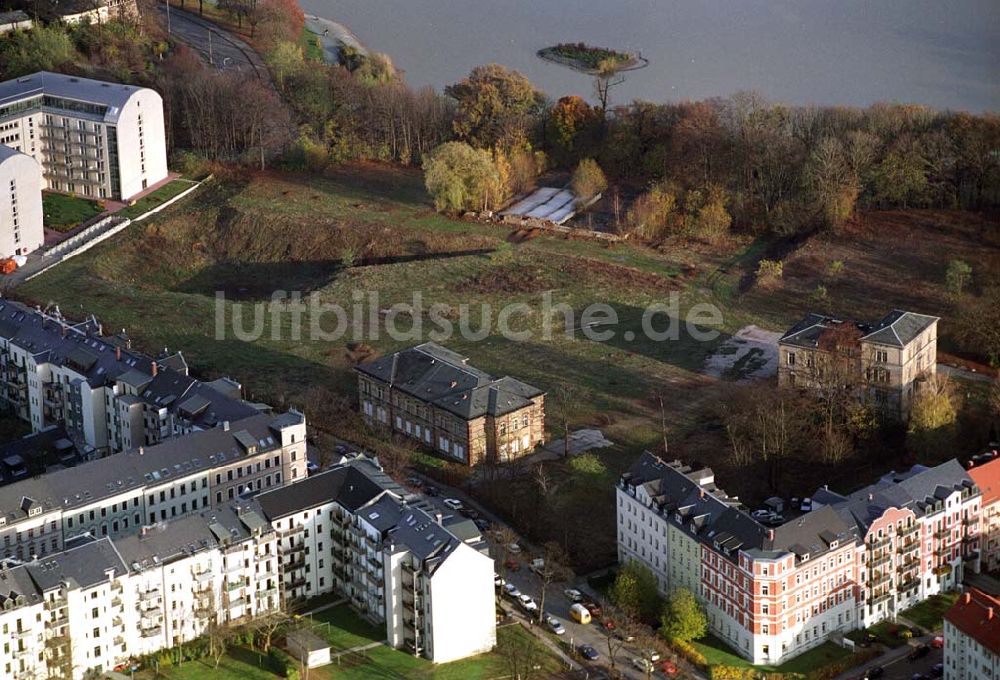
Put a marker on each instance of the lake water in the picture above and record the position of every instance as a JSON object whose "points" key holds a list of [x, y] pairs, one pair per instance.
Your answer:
{"points": [[944, 53]]}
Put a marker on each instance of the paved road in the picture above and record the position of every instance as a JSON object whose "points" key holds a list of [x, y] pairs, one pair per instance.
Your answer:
{"points": [[897, 664], [215, 45]]}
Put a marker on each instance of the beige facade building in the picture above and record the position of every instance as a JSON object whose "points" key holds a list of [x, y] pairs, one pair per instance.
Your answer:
{"points": [[887, 361], [433, 395]]}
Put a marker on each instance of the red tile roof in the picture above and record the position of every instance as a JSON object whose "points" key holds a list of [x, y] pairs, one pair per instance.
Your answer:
{"points": [[987, 478], [978, 615]]}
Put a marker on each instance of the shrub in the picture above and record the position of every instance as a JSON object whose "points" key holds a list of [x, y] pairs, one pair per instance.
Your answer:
{"points": [[957, 276], [689, 652], [459, 177], [836, 267], [769, 273], [588, 180]]}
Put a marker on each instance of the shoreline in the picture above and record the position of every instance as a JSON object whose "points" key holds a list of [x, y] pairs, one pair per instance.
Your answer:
{"points": [[333, 35], [634, 62]]}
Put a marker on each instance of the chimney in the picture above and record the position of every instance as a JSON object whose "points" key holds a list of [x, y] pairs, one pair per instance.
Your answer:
{"points": [[118, 353], [770, 534], [989, 613], [439, 517], [225, 426], [701, 493], [154, 369], [967, 598], [64, 330], [141, 450]]}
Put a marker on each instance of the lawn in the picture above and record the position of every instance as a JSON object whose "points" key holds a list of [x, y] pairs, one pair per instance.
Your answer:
{"points": [[369, 230], [63, 213], [156, 198], [717, 652], [885, 632], [929, 614], [312, 48], [379, 662], [344, 629]]}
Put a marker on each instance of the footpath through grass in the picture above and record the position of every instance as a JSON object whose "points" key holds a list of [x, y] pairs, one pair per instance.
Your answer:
{"points": [[63, 213]]}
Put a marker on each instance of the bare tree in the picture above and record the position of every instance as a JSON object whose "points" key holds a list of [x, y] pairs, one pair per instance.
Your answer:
{"points": [[266, 625], [505, 536], [520, 653], [554, 559], [618, 627], [219, 636], [608, 76]]}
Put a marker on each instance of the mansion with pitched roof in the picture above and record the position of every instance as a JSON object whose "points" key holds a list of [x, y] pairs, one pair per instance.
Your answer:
{"points": [[433, 395], [887, 361]]}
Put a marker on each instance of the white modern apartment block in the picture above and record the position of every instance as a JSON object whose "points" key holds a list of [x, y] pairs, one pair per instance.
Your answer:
{"points": [[775, 592], [92, 138], [99, 603], [21, 229], [972, 637], [108, 397], [118, 495], [353, 531]]}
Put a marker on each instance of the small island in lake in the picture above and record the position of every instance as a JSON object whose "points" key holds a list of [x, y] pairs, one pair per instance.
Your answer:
{"points": [[588, 58]]}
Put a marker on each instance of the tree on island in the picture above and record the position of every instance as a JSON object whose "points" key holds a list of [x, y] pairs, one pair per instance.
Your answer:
{"points": [[609, 75]]}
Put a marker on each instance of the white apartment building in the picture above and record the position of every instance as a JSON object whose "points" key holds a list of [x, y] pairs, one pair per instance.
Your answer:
{"points": [[21, 229], [118, 495], [972, 637], [107, 396], [95, 139], [353, 531], [99, 603]]}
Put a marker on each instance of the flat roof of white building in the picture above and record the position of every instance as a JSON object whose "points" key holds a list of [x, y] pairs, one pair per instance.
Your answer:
{"points": [[112, 95]]}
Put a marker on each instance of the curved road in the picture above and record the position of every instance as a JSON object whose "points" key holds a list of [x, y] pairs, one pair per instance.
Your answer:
{"points": [[215, 45]]}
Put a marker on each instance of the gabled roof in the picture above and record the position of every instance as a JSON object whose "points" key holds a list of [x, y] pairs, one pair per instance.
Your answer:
{"points": [[437, 375], [82, 566], [899, 328], [987, 478], [351, 485], [977, 614]]}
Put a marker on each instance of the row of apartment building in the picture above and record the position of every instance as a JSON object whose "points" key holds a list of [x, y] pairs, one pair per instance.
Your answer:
{"points": [[433, 395], [972, 637], [426, 577], [772, 593], [100, 601], [95, 139], [108, 397]]}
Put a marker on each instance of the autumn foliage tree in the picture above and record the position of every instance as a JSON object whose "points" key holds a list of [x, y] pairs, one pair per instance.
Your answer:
{"points": [[494, 107]]}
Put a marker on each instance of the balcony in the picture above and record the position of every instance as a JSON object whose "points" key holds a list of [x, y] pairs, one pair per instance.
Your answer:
{"points": [[203, 577], [22, 634], [907, 547], [903, 586], [878, 599], [878, 561], [267, 592], [59, 621], [291, 550], [147, 595], [57, 603], [878, 580], [414, 645], [297, 563], [942, 570], [297, 582], [235, 585], [879, 543], [150, 632], [908, 530]]}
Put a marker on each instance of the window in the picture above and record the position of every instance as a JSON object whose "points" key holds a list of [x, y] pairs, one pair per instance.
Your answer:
{"points": [[790, 358]]}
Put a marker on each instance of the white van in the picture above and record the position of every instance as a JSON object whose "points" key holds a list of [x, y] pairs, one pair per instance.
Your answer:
{"points": [[579, 613]]}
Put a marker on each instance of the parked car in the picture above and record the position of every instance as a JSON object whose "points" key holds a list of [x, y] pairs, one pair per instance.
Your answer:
{"points": [[919, 652], [937, 642], [806, 505], [573, 595], [498, 580], [644, 665], [651, 654], [469, 512], [761, 515], [415, 482], [555, 625], [589, 653], [937, 670], [453, 503], [432, 491], [527, 604], [514, 548], [481, 524], [511, 591], [874, 671], [593, 608], [512, 564], [668, 667], [579, 613]]}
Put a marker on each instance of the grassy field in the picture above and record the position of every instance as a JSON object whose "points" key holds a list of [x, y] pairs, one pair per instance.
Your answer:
{"points": [[380, 662], [886, 633], [156, 198], [62, 212], [344, 629], [929, 614], [370, 230], [716, 652]]}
